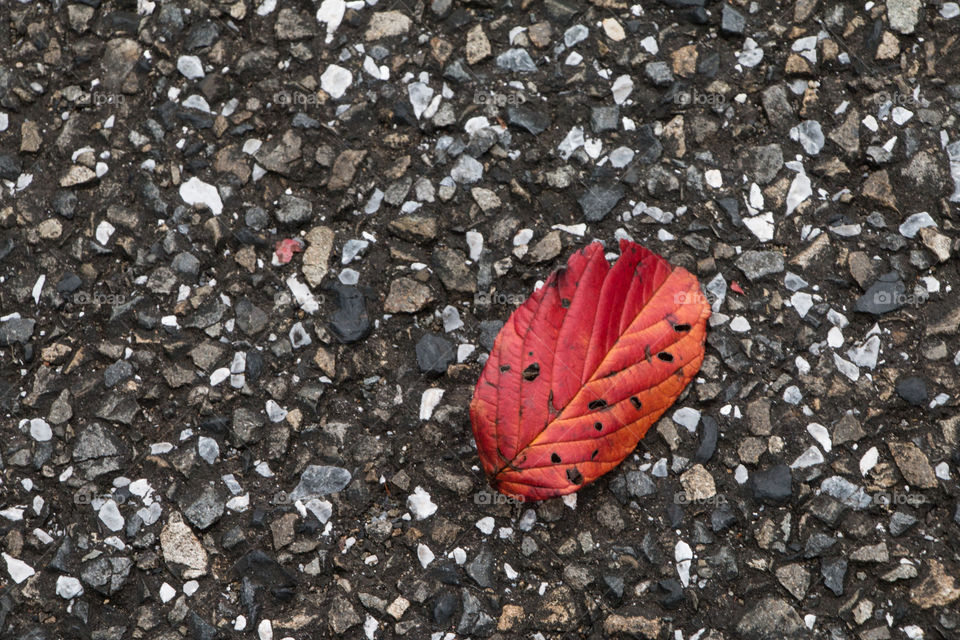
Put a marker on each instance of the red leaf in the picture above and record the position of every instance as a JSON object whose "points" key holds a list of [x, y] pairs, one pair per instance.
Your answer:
{"points": [[736, 287], [584, 367]]}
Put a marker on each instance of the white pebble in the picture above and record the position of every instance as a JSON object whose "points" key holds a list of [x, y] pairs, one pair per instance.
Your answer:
{"points": [[420, 504], [684, 556], [835, 337], [622, 88], [821, 435], [475, 243], [425, 555], [104, 231], [808, 458], [429, 401], [40, 430], [485, 525], [687, 417], [336, 80], [68, 587], [18, 569], [208, 449], [110, 516], [275, 412], [740, 325], [869, 460], [197, 192], [265, 630], [190, 67], [451, 318]]}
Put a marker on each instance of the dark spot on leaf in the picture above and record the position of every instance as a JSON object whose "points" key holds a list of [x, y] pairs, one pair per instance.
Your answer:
{"points": [[565, 303], [635, 401], [531, 372], [530, 353], [504, 368], [594, 454], [598, 426], [574, 475], [681, 328], [597, 404], [666, 357], [554, 458]]}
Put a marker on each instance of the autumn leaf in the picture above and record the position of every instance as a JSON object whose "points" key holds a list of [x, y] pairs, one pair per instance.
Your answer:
{"points": [[584, 367]]}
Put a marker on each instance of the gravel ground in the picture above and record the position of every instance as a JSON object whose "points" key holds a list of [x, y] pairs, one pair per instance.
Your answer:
{"points": [[253, 253]]}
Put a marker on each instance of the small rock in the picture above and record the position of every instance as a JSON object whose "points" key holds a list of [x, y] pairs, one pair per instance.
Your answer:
{"points": [[434, 354], [516, 60], [406, 295], [913, 390], [769, 619], [350, 322], [756, 264], [834, 571], [320, 480], [773, 486], [937, 589], [913, 464]]}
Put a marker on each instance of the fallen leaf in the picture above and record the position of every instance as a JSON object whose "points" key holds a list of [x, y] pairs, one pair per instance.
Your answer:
{"points": [[583, 368]]}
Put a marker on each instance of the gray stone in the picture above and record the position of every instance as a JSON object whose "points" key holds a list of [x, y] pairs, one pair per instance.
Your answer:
{"points": [[434, 354], [599, 200], [116, 373], [16, 330], [913, 390], [251, 319], [320, 480], [605, 118], [834, 570], [884, 296], [773, 486], [762, 163], [771, 619], [776, 106], [204, 508], [105, 574], [732, 22], [474, 621], [901, 522], [516, 60], [756, 264], [659, 74], [294, 210], [533, 121], [187, 264], [481, 568]]}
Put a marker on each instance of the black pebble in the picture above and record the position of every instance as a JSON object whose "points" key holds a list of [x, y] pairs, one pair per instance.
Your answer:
{"points": [[913, 390]]}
